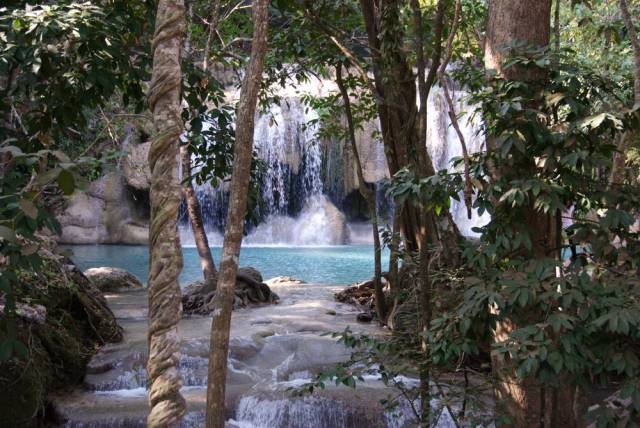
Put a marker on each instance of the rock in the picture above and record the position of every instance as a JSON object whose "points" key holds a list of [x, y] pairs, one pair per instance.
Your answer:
{"points": [[61, 334], [337, 224], [341, 179], [331, 312], [362, 295], [136, 166], [111, 279], [364, 317], [249, 290], [107, 213], [250, 272], [284, 280]]}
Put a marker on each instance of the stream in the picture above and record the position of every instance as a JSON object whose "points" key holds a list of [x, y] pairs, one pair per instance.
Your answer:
{"points": [[272, 348]]}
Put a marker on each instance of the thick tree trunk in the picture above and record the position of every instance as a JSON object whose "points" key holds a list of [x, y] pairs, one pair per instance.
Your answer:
{"points": [[525, 401], [197, 225], [370, 197], [166, 402], [223, 301]]}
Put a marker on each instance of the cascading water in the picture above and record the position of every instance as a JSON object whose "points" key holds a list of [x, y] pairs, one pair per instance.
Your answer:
{"points": [[293, 208], [444, 145]]}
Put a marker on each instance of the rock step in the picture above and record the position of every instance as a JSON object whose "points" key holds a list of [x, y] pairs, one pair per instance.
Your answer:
{"points": [[330, 408]]}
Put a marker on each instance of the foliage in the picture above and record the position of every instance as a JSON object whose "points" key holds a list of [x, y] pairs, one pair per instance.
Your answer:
{"points": [[576, 310], [58, 60]]}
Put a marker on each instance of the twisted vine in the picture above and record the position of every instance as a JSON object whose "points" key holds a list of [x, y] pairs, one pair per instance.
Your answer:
{"points": [[166, 403]]}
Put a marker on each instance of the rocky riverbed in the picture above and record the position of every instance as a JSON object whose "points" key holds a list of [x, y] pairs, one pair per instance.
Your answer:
{"points": [[273, 348]]}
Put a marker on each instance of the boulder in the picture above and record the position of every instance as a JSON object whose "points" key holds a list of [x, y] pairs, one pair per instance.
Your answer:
{"points": [[60, 334], [136, 166], [249, 290], [364, 317], [250, 272], [111, 279], [336, 224]]}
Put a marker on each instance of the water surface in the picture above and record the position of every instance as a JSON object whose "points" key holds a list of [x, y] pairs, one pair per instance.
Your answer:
{"points": [[342, 264]]}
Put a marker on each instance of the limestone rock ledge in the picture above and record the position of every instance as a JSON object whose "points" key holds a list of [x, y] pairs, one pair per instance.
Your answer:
{"points": [[109, 212]]}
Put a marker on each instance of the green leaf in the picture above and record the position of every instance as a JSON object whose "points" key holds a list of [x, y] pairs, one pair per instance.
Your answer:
{"points": [[7, 234], [47, 177], [28, 208], [66, 182], [555, 360]]}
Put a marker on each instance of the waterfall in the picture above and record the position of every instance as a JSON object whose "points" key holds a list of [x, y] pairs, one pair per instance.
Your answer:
{"points": [[443, 145], [293, 207]]}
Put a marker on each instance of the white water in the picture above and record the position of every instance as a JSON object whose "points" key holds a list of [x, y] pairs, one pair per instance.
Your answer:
{"points": [[293, 208], [444, 145]]}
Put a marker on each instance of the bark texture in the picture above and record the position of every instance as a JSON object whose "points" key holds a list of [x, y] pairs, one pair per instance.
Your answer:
{"points": [[194, 211], [402, 122], [527, 21], [214, 18], [166, 402], [370, 198], [525, 401], [241, 174], [635, 43]]}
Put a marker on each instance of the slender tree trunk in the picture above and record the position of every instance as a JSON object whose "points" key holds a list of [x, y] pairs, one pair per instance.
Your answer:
{"points": [[166, 402], [428, 227], [214, 18], [370, 198], [394, 277], [620, 158], [194, 211], [223, 301], [635, 43]]}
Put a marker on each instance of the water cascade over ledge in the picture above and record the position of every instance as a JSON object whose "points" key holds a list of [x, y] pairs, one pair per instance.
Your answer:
{"points": [[297, 204]]}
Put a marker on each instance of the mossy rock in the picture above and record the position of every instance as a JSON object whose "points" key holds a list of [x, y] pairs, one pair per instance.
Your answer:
{"points": [[75, 323], [23, 391]]}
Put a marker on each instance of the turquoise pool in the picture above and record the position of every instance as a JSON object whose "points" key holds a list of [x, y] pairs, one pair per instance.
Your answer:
{"points": [[327, 265]]}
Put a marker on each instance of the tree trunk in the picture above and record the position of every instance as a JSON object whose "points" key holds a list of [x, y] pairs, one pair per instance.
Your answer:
{"points": [[370, 198], [208, 266], [223, 301], [401, 124], [394, 276], [525, 401], [213, 26], [166, 402], [618, 168], [635, 43], [197, 225]]}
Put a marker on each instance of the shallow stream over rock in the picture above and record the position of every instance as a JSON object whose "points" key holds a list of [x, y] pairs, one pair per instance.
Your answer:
{"points": [[273, 348]]}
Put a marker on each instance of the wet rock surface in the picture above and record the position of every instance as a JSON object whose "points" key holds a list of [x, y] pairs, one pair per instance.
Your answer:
{"points": [[272, 348], [107, 213], [284, 280], [197, 299], [112, 279]]}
